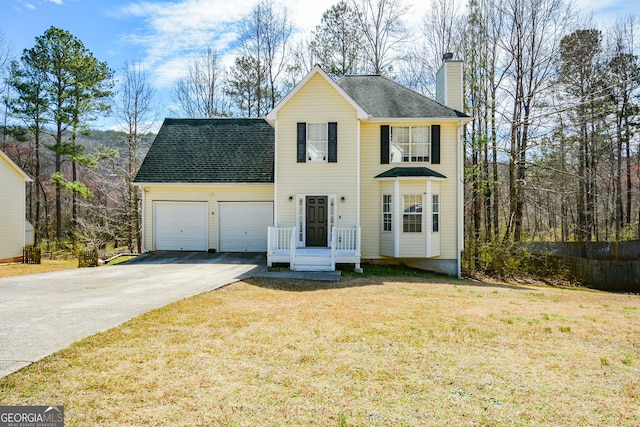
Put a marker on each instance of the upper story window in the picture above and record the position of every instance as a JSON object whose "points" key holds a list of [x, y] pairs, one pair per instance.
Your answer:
{"points": [[410, 144], [317, 142]]}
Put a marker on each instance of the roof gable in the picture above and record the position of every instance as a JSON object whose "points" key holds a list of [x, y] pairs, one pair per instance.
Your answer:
{"points": [[317, 70], [14, 167], [384, 98], [210, 151]]}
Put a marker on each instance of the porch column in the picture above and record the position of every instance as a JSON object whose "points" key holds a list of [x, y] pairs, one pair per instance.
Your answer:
{"points": [[426, 210], [397, 218]]}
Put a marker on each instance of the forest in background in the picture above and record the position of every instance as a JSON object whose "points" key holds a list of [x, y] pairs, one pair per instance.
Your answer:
{"points": [[552, 153]]}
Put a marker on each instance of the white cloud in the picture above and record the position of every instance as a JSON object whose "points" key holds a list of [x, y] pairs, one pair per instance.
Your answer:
{"points": [[58, 2], [177, 31], [29, 6]]}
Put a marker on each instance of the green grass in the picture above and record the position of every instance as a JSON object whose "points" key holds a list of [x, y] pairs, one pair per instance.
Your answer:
{"points": [[366, 351], [121, 260]]}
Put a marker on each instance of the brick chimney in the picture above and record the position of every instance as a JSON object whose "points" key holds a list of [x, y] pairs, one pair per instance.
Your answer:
{"points": [[449, 89]]}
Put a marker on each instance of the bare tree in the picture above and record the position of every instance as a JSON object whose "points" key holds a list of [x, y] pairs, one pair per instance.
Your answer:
{"points": [[263, 56], [485, 71], [441, 30], [624, 73], [383, 30], [5, 59], [134, 108], [201, 92], [536, 28], [302, 60]]}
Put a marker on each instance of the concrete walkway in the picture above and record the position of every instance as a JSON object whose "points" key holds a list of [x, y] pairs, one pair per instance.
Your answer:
{"points": [[44, 313]]}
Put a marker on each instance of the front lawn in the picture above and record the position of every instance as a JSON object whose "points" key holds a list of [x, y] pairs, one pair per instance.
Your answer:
{"points": [[366, 352], [47, 265]]}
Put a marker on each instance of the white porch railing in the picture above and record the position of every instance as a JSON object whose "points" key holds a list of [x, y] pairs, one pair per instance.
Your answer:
{"points": [[344, 246], [279, 239], [348, 240], [292, 245], [334, 235]]}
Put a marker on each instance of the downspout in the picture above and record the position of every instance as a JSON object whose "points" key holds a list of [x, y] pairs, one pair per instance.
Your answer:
{"points": [[358, 175], [428, 204], [275, 175], [397, 218], [144, 216], [460, 195]]}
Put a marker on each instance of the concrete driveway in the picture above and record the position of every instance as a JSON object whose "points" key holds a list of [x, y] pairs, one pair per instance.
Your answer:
{"points": [[43, 313]]}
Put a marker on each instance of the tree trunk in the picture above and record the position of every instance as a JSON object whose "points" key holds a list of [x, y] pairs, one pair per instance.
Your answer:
{"points": [[36, 225]]}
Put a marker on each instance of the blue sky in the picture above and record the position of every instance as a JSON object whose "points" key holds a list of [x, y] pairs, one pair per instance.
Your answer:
{"points": [[164, 35]]}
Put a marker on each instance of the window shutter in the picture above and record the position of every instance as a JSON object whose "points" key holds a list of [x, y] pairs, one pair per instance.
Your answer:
{"points": [[435, 144], [384, 144], [333, 142], [302, 142]]}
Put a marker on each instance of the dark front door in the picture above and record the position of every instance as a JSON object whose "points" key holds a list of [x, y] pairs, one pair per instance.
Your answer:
{"points": [[317, 213]]}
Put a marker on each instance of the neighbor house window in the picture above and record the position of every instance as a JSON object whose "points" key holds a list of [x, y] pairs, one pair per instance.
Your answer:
{"points": [[435, 212], [412, 213], [410, 144], [386, 212], [317, 142]]}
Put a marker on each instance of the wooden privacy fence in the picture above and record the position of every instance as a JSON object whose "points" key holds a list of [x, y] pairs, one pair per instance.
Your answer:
{"points": [[608, 266], [623, 251], [88, 258], [31, 255]]}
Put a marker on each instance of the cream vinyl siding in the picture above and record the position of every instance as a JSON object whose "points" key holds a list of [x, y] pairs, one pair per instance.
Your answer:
{"points": [[449, 84], [316, 102], [213, 194], [371, 206], [12, 211]]}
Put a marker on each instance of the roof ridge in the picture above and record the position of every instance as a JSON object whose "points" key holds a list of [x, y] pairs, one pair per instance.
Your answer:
{"points": [[214, 118], [383, 80]]}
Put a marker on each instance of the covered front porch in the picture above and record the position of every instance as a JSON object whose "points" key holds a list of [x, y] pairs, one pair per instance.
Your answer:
{"points": [[344, 248]]}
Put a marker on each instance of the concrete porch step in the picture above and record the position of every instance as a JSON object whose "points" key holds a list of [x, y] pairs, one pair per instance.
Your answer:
{"points": [[305, 267]]}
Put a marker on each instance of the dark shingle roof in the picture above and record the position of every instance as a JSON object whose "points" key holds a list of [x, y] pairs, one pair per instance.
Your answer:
{"points": [[210, 150], [410, 172], [383, 98]]}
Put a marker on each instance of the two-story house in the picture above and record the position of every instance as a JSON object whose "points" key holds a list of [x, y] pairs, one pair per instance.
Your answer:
{"points": [[13, 223], [338, 172]]}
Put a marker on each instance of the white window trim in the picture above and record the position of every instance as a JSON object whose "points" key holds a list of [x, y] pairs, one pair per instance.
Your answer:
{"points": [[435, 213], [325, 142], [421, 196], [389, 212], [410, 144], [301, 217]]}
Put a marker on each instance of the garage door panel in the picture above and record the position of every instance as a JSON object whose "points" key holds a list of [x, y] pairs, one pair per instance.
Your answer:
{"points": [[181, 226], [243, 226]]}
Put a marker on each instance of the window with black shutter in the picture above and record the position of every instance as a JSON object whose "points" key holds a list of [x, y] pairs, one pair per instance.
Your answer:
{"points": [[435, 144], [333, 142], [302, 142], [384, 144]]}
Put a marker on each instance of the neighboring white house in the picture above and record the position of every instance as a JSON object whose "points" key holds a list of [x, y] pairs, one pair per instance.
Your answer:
{"points": [[12, 210], [338, 172]]}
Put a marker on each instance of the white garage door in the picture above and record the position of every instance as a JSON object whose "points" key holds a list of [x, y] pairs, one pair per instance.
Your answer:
{"points": [[180, 226], [243, 226]]}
